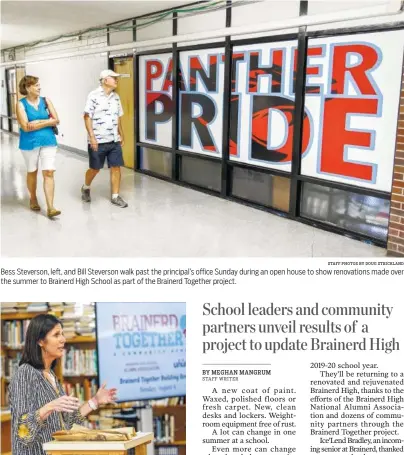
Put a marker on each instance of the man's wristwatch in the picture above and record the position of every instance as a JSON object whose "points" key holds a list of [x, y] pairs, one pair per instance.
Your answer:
{"points": [[92, 404]]}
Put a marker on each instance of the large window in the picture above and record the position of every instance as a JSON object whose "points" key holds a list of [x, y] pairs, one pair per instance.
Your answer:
{"points": [[352, 96], [200, 122], [195, 99], [12, 91], [156, 161], [261, 188], [201, 172], [262, 107], [13, 77], [156, 107], [351, 211]]}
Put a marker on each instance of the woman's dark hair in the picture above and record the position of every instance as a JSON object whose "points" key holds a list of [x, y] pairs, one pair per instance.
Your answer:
{"points": [[37, 330], [26, 82]]}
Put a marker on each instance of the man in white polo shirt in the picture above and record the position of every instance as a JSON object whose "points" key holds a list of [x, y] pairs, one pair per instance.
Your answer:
{"points": [[102, 117]]}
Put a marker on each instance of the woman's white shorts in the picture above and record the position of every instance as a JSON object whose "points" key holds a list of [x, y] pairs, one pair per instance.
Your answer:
{"points": [[47, 155]]}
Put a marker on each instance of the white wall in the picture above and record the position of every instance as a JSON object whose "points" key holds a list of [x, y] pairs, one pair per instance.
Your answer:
{"points": [[322, 6], [116, 37], [287, 9], [20, 54], [201, 23], [159, 30], [265, 11], [317, 7], [67, 83], [123, 37]]}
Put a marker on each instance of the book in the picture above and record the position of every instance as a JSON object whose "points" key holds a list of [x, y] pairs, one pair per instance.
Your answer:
{"points": [[38, 307], [79, 362]]}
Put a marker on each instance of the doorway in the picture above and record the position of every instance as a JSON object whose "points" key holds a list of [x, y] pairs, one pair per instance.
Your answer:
{"points": [[13, 78], [125, 90]]}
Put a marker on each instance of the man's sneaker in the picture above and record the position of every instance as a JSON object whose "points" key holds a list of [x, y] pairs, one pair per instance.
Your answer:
{"points": [[85, 195], [119, 202]]}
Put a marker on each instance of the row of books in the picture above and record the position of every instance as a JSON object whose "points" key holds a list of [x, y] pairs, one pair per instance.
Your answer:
{"points": [[83, 391], [69, 328], [30, 307], [68, 319], [9, 365], [12, 307], [85, 326], [78, 319], [166, 451], [13, 333], [171, 401], [163, 428], [79, 362]]}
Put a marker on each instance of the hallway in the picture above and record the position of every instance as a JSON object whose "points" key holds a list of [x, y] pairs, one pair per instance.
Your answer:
{"points": [[162, 219]]}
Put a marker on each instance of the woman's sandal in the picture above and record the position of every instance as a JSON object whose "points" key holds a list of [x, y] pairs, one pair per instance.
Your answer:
{"points": [[53, 212], [34, 206]]}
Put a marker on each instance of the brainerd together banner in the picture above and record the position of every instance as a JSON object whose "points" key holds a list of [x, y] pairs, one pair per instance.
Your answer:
{"points": [[141, 349], [350, 115]]}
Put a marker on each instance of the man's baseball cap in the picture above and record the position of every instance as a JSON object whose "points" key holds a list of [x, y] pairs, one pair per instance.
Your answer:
{"points": [[108, 73]]}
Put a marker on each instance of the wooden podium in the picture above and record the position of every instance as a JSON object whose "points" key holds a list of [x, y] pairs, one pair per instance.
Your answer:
{"points": [[136, 446], [6, 432]]}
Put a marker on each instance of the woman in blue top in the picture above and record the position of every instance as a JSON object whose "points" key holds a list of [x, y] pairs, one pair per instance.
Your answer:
{"points": [[37, 140]]}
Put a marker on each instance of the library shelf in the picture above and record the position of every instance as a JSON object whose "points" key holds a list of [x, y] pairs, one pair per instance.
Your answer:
{"points": [[12, 348], [173, 443], [169, 407], [79, 376], [24, 315], [81, 339]]}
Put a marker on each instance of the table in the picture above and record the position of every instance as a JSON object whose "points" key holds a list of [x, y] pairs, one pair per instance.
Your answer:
{"points": [[136, 446]]}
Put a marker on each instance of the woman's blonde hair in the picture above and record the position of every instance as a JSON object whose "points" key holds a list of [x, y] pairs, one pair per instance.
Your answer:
{"points": [[26, 82]]}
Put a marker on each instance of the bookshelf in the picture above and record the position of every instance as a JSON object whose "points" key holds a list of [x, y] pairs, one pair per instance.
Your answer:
{"points": [[11, 350], [176, 417], [10, 355], [81, 377], [83, 347], [24, 315]]}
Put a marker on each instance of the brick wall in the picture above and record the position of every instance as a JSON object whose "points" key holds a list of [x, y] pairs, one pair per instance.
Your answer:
{"points": [[395, 245]]}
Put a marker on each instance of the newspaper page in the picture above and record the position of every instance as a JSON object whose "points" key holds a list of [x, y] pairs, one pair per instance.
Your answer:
{"points": [[227, 213], [281, 357]]}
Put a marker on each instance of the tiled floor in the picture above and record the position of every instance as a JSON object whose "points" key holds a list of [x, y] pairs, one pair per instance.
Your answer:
{"points": [[162, 219]]}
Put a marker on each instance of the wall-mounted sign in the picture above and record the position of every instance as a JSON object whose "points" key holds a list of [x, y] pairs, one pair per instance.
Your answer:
{"points": [[201, 101], [155, 99], [262, 104], [353, 94], [350, 115]]}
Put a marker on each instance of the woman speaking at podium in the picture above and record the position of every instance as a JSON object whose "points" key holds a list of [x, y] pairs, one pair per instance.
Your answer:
{"points": [[39, 405]]}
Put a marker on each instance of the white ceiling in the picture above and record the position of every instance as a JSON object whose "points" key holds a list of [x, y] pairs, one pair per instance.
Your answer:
{"points": [[24, 22]]}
